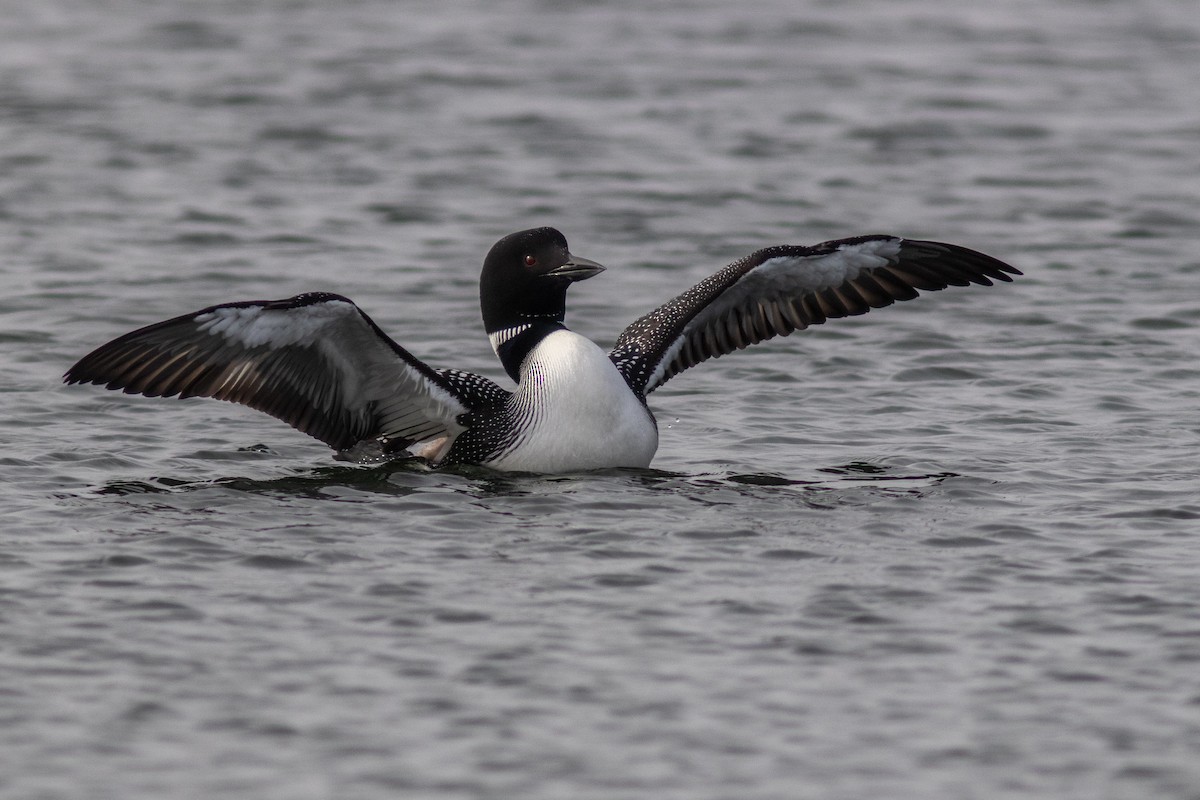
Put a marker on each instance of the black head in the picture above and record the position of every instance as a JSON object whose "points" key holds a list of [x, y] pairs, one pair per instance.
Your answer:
{"points": [[525, 279]]}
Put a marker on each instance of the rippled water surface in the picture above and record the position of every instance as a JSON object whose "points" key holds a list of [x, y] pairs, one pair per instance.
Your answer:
{"points": [[947, 550]]}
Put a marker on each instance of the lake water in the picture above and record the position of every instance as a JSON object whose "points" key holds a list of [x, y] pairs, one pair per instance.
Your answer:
{"points": [[948, 550]]}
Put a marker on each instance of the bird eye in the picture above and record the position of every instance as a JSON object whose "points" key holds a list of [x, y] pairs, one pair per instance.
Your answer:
{"points": [[530, 261]]}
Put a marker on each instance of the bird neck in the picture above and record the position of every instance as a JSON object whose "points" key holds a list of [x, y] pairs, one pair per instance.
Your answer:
{"points": [[513, 343]]}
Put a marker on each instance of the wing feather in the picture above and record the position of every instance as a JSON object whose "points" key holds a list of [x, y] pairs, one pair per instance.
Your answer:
{"points": [[315, 361], [777, 290]]}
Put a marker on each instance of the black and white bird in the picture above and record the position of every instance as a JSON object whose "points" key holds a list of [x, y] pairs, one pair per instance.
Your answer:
{"points": [[318, 362]]}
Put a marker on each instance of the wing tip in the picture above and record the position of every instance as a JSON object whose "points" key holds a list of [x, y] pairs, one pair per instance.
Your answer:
{"points": [[973, 265]]}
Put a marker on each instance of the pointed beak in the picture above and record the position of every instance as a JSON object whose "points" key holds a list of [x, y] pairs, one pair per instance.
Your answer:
{"points": [[577, 268]]}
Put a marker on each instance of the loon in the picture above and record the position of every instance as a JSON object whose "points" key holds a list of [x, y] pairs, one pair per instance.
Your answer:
{"points": [[319, 363]]}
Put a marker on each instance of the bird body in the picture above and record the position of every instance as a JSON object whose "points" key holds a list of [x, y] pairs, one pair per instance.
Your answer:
{"points": [[576, 412], [319, 363]]}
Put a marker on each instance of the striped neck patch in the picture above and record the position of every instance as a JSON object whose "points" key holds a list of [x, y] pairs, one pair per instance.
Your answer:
{"points": [[500, 337]]}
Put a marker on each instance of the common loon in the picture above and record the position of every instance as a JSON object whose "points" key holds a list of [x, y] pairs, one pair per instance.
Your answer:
{"points": [[319, 363]]}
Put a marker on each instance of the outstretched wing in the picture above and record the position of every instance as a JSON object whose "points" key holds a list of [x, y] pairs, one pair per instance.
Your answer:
{"points": [[777, 290], [315, 361]]}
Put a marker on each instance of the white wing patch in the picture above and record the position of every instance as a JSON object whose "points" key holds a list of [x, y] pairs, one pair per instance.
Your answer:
{"points": [[791, 274], [252, 326]]}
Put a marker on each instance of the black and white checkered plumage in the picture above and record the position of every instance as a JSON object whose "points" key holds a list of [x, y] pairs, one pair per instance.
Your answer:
{"points": [[317, 362]]}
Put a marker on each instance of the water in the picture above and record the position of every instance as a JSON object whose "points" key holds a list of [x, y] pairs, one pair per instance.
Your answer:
{"points": [[947, 550]]}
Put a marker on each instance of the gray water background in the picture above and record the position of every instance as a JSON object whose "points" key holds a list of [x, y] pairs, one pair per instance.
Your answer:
{"points": [[946, 550]]}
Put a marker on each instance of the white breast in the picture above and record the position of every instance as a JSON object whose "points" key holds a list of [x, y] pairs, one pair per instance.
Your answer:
{"points": [[578, 412]]}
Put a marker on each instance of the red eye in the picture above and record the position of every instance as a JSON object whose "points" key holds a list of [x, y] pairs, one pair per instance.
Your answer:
{"points": [[530, 261]]}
